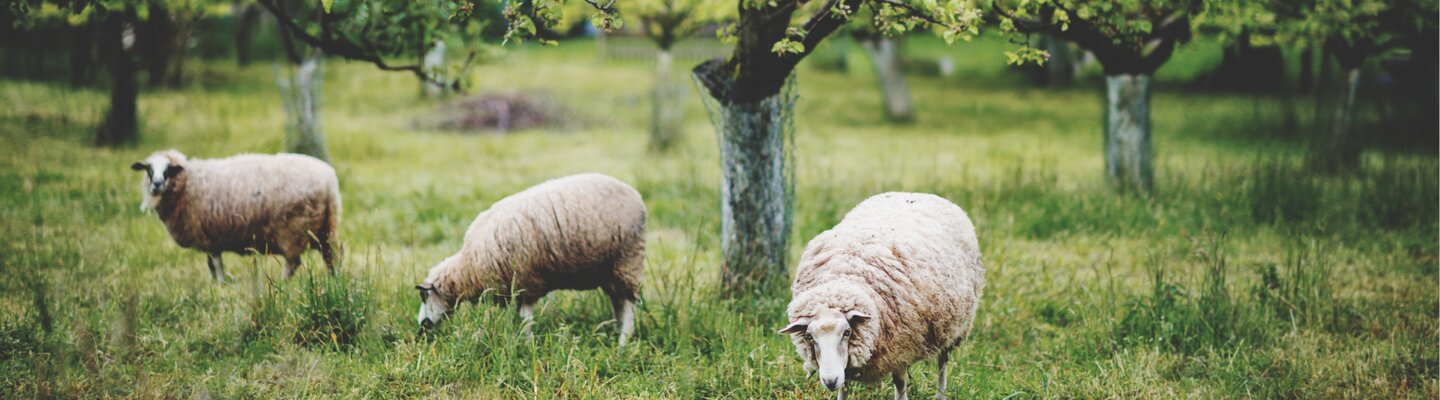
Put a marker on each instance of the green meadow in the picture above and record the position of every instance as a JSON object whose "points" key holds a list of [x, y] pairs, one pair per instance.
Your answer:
{"points": [[1243, 275]]}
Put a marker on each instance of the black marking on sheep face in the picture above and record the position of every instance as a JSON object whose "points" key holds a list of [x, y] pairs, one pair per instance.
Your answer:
{"points": [[433, 306], [158, 174], [829, 332]]}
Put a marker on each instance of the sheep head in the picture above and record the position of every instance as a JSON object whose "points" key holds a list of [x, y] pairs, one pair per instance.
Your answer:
{"points": [[832, 329], [434, 305], [160, 169]]}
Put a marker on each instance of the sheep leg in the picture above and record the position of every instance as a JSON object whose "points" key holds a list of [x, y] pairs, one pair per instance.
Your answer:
{"points": [[527, 316], [291, 262], [840, 394], [217, 269], [623, 305], [943, 363], [898, 379], [327, 253]]}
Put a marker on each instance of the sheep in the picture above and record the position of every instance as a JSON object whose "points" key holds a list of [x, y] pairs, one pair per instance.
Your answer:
{"points": [[578, 232], [896, 281], [245, 204]]}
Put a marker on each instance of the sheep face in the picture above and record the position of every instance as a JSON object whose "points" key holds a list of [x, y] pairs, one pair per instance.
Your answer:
{"points": [[159, 173], [433, 306], [829, 331]]}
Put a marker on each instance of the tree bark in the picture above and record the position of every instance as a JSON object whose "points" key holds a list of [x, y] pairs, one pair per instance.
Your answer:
{"points": [[885, 56], [754, 194], [1127, 132], [300, 95], [666, 110], [120, 126]]}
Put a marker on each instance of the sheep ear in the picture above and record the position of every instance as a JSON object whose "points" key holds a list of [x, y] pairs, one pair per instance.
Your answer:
{"points": [[856, 317], [139, 166], [172, 170], [794, 328]]}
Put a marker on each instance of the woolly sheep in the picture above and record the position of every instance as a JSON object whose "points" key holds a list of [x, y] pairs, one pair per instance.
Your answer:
{"points": [[578, 232], [245, 204], [896, 281]]}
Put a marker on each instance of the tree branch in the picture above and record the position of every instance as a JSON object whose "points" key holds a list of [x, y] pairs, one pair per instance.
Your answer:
{"points": [[349, 50], [822, 23], [916, 12]]}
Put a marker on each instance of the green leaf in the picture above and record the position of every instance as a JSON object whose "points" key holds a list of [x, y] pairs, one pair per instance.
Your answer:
{"points": [[327, 4]]}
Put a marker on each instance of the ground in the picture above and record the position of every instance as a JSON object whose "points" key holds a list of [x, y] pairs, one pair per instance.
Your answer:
{"points": [[1243, 275]]}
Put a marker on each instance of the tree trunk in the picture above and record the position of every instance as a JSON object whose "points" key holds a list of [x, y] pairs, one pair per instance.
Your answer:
{"points": [[1307, 69], [120, 126], [885, 56], [1127, 132], [754, 192], [1343, 151], [666, 110], [247, 15], [156, 36], [434, 65], [1060, 68], [82, 55], [300, 95]]}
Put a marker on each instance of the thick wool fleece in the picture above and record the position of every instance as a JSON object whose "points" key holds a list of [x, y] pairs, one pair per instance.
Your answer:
{"points": [[273, 204], [578, 232], [909, 260]]}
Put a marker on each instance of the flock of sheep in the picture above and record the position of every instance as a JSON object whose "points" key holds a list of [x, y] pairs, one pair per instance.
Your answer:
{"points": [[898, 280]]}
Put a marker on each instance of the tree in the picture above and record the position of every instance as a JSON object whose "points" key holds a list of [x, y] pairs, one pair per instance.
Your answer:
{"points": [[1352, 32], [116, 22], [666, 23], [754, 115], [1131, 40]]}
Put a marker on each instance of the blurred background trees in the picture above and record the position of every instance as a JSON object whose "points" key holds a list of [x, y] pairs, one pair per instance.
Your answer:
{"points": [[1367, 66]]}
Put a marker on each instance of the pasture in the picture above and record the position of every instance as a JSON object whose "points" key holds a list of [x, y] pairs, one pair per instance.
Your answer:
{"points": [[1242, 275]]}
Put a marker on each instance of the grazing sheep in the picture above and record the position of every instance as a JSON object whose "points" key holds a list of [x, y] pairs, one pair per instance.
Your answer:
{"points": [[896, 281], [578, 232], [249, 203]]}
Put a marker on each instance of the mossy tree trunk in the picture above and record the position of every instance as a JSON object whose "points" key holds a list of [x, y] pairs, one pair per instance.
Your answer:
{"points": [[754, 117], [1127, 131]]}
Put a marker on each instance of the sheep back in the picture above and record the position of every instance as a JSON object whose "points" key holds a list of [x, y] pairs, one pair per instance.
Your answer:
{"points": [[577, 232], [253, 202], [914, 259]]}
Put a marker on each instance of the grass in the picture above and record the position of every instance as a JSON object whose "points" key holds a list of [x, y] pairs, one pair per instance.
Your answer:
{"points": [[1242, 276]]}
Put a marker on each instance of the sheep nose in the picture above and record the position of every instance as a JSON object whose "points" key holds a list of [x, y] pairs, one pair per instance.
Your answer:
{"points": [[831, 384], [427, 324]]}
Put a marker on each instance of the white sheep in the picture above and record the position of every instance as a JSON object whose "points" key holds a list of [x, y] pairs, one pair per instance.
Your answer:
{"points": [[578, 232], [896, 281], [249, 203]]}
